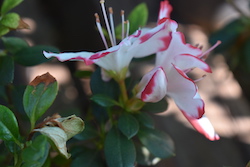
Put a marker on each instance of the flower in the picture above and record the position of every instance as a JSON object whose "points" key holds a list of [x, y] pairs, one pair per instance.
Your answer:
{"points": [[116, 59], [169, 77]]}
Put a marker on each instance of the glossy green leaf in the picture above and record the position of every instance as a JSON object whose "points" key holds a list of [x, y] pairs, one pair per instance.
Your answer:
{"points": [[10, 20], [157, 142], [89, 133], [8, 5], [3, 30], [158, 107], [144, 119], [39, 96], [88, 158], [9, 130], [98, 86], [14, 44], [31, 56], [138, 17], [119, 150], [6, 70], [128, 125], [104, 100], [37, 152]]}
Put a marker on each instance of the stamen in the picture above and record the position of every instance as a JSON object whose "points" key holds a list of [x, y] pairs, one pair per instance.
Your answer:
{"points": [[127, 31], [107, 22], [210, 49], [123, 20], [112, 24], [99, 27], [197, 80]]}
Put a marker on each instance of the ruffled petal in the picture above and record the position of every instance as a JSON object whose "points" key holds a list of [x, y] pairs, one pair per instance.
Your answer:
{"points": [[78, 56], [203, 126], [186, 62], [184, 92], [165, 10], [154, 40], [177, 46], [153, 86]]}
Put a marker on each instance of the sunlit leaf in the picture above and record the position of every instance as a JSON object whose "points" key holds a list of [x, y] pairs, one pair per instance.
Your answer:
{"points": [[138, 17], [8, 5], [10, 20]]}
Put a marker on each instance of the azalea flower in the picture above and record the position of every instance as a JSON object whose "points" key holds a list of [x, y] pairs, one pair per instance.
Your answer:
{"points": [[169, 77], [116, 59]]}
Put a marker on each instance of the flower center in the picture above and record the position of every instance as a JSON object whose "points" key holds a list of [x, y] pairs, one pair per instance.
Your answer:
{"points": [[110, 27]]}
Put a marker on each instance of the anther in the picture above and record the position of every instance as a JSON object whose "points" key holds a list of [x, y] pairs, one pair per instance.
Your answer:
{"points": [[99, 27]]}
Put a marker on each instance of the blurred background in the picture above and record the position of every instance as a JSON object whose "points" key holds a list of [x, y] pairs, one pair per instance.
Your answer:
{"points": [[70, 26]]}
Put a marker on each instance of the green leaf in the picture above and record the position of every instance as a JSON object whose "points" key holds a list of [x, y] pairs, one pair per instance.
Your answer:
{"points": [[3, 30], [145, 119], [157, 142], [37, 152], [31, 56], [9, 130], [104, 100], [158, 107], [88, 158], [98, 86], [138, 17], [39, 96], [89, 132], [83, 74], [6, 70], [8, 5], [128, 125], [119, 151], [144, 157], [228, 35], [14, 45], [10, 20]]}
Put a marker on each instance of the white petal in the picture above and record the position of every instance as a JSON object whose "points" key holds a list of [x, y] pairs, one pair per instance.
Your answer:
{"points": [[153, 86]]}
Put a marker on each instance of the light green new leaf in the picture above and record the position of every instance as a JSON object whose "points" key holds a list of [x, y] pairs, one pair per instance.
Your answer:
{"points": [[9, 130], [138, 17], [39, 96], [10, 20], [3, 30], [8, 5], [128, 125], [119, 150], [37, 152], [157, 142]]}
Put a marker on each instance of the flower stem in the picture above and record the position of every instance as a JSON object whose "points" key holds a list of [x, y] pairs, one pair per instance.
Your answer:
{"points": [[123, 90]]}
